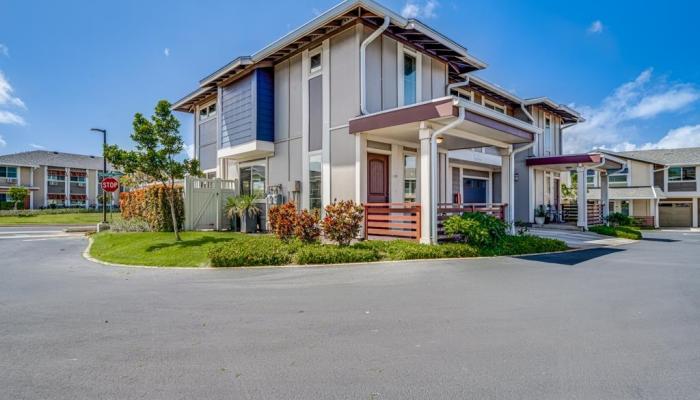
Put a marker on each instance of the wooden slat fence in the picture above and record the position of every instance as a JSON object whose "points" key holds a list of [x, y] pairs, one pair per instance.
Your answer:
{"points": [[398, 220]]}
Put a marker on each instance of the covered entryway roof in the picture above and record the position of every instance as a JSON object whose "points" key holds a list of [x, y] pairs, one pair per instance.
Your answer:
{"points": [[568, 162]]}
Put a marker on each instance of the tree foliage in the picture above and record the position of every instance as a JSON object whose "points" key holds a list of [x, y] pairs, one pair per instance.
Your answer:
{"points": [[157, 146], [18, 194]]}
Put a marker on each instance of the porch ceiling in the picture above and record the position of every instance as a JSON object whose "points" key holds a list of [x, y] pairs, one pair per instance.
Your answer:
{"points": [[481, 126], [571, 161]]}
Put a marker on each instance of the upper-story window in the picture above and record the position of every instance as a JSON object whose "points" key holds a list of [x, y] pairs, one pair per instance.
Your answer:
{"points": [[619, 179], [495, 107], [548, 138], [410, 81], [207, 112], [8, 173], [591, 178], [315, 61], [462, 94], [681, 174]]}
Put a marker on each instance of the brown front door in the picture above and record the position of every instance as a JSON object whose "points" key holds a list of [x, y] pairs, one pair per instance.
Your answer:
{"points": [[377, 178]]}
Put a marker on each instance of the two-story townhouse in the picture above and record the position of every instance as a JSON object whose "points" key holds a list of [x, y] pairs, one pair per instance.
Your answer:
{"points": [[54, 179], [361, 103], [660, 184]]}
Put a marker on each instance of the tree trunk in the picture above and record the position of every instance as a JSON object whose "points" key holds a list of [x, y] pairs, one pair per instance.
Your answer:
{"points": [[171, 198]]}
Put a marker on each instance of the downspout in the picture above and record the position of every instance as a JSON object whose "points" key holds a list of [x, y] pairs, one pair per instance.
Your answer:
{"points": [[363, 66], [456, 85], [434, 172], [511, 183]]}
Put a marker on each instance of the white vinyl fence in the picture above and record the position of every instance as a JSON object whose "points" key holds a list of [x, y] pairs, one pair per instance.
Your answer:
{"points": [[204, 203]]}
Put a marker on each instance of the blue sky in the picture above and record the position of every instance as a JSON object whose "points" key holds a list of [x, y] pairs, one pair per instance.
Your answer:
{"points": [[65, 67]]}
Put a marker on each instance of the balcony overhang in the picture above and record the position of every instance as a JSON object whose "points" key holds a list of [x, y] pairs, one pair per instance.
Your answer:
{"points": [[481, 126], [568, 162], [248, 151]]}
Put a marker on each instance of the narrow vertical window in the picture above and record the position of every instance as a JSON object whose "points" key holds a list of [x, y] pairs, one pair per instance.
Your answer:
{"points": [[548, 135], [409, 178], [315, 200], [409, 79]]}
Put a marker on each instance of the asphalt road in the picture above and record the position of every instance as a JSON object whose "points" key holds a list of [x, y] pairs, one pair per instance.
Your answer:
{"points": [[620, 323]]}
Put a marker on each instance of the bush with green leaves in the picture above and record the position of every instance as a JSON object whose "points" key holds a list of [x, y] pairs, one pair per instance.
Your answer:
{"points": [[332, 254], [523, 244], [619, 219], [252, 251], [405, 250], [478, 229], [625, 232], [129, 225]]}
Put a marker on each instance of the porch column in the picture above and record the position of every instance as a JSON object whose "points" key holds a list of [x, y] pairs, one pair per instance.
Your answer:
{"points": [[507, 184], [66, 183], [695, 212], [604, 197], [581, 199], [656, 213], [426, 198]]}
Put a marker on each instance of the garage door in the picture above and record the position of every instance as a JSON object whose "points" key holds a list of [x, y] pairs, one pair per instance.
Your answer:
{"points": [[675, 214]]}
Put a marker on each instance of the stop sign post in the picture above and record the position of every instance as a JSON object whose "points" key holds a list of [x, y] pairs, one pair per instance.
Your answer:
{"points": [[110, 185]]}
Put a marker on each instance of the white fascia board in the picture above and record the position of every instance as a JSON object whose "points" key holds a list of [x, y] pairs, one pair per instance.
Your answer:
{"points": [[189, 97], [506, 119], [256, 148]]}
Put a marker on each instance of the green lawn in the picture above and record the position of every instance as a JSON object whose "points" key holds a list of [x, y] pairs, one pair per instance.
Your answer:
{"points": [[626, 232], [54, 219], [225, 249], [157, 248]]}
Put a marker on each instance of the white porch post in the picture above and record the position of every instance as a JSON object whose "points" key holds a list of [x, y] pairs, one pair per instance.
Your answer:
{"points": [[656, 213], [604, 197], [507, 184], [695, 212], [581, 199], [426, 198], [67, 188]]}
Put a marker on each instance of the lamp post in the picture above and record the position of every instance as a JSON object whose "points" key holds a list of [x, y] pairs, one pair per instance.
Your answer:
{"points": [[104, 171]]}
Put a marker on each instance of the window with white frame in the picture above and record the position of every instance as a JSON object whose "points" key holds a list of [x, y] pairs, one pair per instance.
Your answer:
{"points": [[494, 106], [252, 178], [8, 173], [548, 138], [410, 180], [681, 174], [315, 61], [315, 188], [207, 112], [462, 94], [410, 78], [591, 178], [619, 179]]}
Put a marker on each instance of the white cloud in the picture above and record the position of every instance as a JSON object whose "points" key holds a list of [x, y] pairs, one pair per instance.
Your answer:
{"points": [[166, 51], [3, 143], [7, 117], [4, 50], [612, 122], [37, 146], [189, 148], [6, 96], [415, 9], [596, 27], [685, 136]]}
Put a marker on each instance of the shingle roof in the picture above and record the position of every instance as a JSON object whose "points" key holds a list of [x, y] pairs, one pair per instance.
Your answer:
{"points": [[53, 159], [628, 193], [690, 155]]}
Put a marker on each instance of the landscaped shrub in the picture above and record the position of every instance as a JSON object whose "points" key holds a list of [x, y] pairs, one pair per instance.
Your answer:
{"points": [[342, 221], [307, 227], [626, 232], [331, 254], [478, 229], [129, 225], [255, 251], [619, 219], [46, 211], [404, 250], [523, 244], [151, 204], [282, 220]]}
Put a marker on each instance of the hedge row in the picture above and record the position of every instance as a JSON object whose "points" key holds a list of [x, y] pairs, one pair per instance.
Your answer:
{"points": [[151, 204]]}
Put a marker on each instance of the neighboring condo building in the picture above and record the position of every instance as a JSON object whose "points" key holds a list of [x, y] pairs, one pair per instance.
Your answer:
{"points": [[363, 104], [54, 179]]}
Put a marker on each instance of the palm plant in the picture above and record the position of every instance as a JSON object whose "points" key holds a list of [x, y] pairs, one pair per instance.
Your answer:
{"points": [[245, 207]]}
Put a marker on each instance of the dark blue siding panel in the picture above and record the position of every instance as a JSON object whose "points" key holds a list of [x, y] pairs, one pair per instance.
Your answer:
{"points": [[266, 104], [237, 118]]}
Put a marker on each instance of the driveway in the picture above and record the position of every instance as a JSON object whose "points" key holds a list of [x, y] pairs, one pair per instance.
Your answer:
{"points": [[613, 323]]}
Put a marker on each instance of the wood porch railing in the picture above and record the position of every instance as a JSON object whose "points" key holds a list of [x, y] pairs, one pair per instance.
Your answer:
{"points": [[594, 209], [398, 220], [646, 222], [447, 210]]}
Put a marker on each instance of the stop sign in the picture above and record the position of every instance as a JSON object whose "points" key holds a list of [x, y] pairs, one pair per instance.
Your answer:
{"points": [[110, 184]]}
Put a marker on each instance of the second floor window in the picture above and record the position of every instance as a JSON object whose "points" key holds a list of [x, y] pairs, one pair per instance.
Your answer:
{"points": [[494, 107], [410, 81], [548, 139], [619, 179], [8, 172], [207, 112], [681, 174]]}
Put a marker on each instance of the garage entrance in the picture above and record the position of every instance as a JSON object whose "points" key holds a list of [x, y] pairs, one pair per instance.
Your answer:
{"points": [[676, 215]]}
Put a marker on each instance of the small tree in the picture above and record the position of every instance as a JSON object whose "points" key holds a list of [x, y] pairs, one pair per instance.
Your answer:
{"points": [[158, 143], [18, 194], [342, 221]]}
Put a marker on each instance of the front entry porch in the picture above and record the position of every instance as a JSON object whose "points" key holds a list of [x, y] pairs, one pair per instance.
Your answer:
{"points": [[407, 180]]}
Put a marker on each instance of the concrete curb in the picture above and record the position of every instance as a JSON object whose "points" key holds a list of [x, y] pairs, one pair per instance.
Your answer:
{"points": [[87, 256]]}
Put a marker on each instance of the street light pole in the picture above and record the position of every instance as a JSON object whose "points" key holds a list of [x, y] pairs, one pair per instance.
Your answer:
{"points": [[104, 171]]}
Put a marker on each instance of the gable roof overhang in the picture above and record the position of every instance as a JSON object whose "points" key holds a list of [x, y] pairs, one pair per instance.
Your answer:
{"points": [[598, 161], [409, 31], [567, 114]]}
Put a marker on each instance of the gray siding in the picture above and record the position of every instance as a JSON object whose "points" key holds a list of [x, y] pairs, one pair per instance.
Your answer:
{"points": [[521, 189], [497, 187], [390, 90], [344, 77], [342, 165], [238, 113], [682, 186], [316, 113], [456, 184], [207, 144]]}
